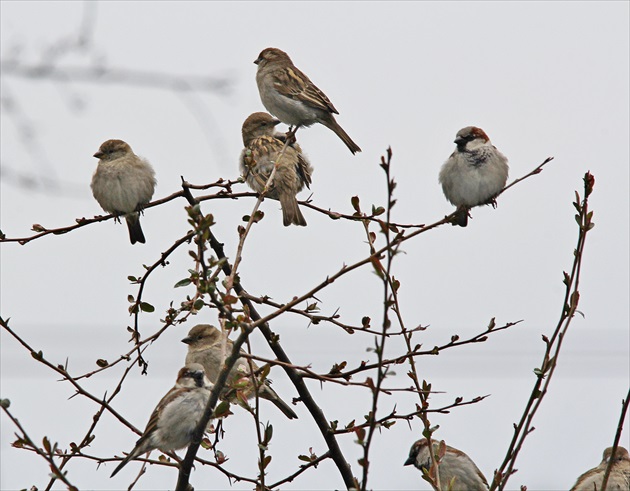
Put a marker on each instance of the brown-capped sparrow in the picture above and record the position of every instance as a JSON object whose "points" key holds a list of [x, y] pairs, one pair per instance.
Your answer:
{"points": [[619, 478], [175, 418], [474, 174], [205, 346], [456, 469], [123, 183], [290, 95]]}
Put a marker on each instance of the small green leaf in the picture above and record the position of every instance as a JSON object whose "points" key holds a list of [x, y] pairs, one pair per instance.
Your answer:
{"points": [[268, 434], [222, 410], [184, 282], [258, 216], [147, 307], [206, 444]]}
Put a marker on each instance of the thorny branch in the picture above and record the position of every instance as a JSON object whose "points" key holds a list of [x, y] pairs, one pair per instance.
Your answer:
{"points": [[249, 320], [46, 453], [553, 344], [227, 193]]}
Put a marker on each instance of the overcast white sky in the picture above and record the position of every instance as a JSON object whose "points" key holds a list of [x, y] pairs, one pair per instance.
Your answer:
{"points": [[542, 79]]}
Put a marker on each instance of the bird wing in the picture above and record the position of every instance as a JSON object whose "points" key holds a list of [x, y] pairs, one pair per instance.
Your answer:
{"points": [[291, 82], [303, 171], [152, 425], [263, 146]]}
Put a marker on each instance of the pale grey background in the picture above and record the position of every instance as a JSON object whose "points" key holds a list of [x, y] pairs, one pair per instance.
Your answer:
{"points": [[543, 79]]}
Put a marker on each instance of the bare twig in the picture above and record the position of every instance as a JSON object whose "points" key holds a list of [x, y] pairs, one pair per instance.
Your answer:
{"points": [[553, 344], [611, 462], [46, 453]]}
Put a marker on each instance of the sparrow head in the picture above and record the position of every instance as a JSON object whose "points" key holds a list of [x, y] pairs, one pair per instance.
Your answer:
{"points": [[193, 375], [418, 453], [113, 149], [470, 138], [620, 454], [202, 336], [257, 125], [271, 55]]}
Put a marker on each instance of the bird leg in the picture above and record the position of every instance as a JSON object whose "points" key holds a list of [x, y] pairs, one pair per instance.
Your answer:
{"points": [[290, 136]]}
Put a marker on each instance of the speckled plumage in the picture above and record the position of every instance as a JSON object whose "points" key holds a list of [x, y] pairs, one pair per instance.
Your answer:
{"points": [[289, 95], [263, 149], [205, 347]]}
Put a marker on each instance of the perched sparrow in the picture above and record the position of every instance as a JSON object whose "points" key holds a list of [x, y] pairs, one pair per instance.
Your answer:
{"points": [[619, 478], [474, 174], [204, 347], [123, 183], [290, 95], [456, 468], [176, 416], [263, 149]]}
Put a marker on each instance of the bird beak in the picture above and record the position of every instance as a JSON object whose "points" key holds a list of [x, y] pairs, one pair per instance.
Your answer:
{"points": [[98, 154], [276, 122], [257, 60], [458, 141], [409, 461], [187, 340]]}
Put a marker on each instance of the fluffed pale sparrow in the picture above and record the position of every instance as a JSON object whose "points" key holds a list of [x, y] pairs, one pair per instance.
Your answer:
{"points": [[289, 95], [474, 174], [123, 183], [264, 150], [456, 469], [205, 347]]}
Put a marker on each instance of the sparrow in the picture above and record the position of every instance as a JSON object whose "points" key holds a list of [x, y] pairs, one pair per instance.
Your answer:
{"points": [[263, 150], [456, 469], [123, 183], [474, 174], [175, 418], [619, 478], [290, 95], [204, 347]]}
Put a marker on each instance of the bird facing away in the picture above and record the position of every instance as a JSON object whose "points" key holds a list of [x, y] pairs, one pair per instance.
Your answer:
{"points": [[176, 416], [619, 478], [263, 151], [474, 174], [205, 347], [123, 183], [290, 96], [455, 467]]}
